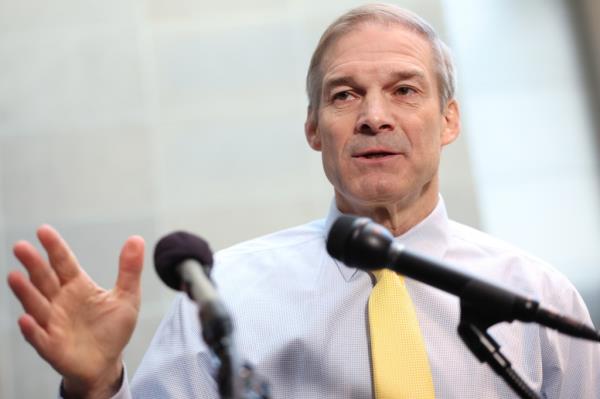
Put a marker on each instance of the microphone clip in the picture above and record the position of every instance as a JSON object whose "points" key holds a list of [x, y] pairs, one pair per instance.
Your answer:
{"points": [[472, 329]]}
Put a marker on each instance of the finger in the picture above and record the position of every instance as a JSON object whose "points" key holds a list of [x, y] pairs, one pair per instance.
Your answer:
{"points": [[32, 300], [62, 260], [34, 334], [131, 262], [40, 273]]}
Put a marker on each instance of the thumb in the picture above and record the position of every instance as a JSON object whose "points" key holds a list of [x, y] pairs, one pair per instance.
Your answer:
{"points": [[131, 262]]}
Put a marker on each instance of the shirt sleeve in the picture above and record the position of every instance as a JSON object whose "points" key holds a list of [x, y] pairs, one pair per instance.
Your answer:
{"points": [[122, 393], [571, 366]]}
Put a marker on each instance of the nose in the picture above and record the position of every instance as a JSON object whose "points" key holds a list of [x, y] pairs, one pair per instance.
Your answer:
{"points": [[375, 115]]}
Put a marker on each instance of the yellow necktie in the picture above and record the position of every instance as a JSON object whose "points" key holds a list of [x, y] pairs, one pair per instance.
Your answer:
{"points": [[399, 360]]}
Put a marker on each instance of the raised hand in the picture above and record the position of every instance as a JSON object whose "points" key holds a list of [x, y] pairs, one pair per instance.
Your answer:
{"points": [[79, 328]]}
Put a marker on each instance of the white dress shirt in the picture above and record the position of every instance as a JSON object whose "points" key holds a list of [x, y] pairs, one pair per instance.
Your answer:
{"points": [[301, 319]]}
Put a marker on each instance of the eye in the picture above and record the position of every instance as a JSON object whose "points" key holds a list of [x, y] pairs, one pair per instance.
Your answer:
{"points": [[342, 96], [405, 90]]}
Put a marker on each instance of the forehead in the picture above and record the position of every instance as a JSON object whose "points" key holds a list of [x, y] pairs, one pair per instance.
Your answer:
{"points": [[375, 46]]}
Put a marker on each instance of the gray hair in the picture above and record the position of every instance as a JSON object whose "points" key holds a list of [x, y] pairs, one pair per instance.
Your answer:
{"points": [[386, 14]]}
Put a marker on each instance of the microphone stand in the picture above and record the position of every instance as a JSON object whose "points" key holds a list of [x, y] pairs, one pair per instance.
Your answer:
{"points": [[183, 261], [474, 322], [361, 243], [234, 381], [217, 330]]}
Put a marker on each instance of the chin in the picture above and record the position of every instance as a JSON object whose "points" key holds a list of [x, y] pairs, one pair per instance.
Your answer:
{"points": [[376, 195], [382, 189]]}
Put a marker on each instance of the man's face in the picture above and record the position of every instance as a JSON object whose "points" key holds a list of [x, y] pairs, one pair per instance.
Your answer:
{"points": [[379, 124]]}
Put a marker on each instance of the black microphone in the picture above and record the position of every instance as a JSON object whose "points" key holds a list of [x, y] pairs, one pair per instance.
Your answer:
{"points": [[359, 242], [183, 261]]}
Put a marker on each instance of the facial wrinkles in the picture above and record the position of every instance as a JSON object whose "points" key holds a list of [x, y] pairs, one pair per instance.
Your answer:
{"points": [[393, 142], [369, 76], [352, 50], [374, 75], [371, 46]]}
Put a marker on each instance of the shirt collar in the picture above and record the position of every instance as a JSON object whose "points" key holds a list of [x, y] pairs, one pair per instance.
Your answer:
{"points": [[430, 236]]}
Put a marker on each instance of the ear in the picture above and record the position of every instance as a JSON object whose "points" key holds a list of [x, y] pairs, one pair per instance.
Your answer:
{"points": [[311, 130], [451, 117]]}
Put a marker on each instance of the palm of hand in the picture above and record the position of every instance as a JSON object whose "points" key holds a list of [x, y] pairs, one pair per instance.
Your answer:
{"points": [[75, 325], [88, 322]]}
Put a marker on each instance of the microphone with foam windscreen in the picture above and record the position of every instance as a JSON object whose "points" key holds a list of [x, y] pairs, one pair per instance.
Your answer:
{"points": [[175, 248], [183, 262], [359, 242]]}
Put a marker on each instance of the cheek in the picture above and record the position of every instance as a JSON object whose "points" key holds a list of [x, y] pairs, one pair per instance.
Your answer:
{"points": [[331, 153], [424, 133]]}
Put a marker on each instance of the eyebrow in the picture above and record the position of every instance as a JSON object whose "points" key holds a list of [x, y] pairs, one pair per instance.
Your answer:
{"points": [[338, 81], [345, 80]]}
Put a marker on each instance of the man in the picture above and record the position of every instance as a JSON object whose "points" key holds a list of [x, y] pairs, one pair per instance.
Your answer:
{"points": [[381, 108]]}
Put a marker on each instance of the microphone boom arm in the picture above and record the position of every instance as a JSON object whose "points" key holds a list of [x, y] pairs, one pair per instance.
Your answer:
{"points": [[361, 243]]}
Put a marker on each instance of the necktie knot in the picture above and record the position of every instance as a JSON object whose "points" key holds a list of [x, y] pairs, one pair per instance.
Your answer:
{"points": [[386, 276]]}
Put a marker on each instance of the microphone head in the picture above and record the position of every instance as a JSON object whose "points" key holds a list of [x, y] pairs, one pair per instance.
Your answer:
{"points": [[359, 242], [175, 248], [341, 234]]}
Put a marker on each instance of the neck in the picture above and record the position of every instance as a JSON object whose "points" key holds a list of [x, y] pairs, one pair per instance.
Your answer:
{"points": [[397, 216]]}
